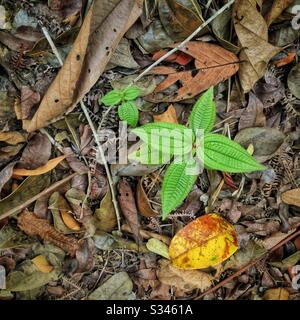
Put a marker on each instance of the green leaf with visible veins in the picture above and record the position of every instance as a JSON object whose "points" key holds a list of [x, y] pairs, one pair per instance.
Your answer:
{"points": [[203, 115], [176, 186], [168, 137], [112, 98], [129, 112], [221, 153], [145, 155], [131, 93]]}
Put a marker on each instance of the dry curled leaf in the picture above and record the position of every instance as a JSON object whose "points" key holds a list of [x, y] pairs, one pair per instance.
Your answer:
{"points": [[34, 226], [102, 29], [276, 294], [204, 242], [42, 264], [143, 203], [292, 197], [106, 214], [167, 116], [50, 165], [214, 64], [278, 7], [186, 280], [252, 32], [128, 207]]}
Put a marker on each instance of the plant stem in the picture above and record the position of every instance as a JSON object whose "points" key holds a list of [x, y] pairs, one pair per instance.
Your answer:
{"points": [[184, 42]]}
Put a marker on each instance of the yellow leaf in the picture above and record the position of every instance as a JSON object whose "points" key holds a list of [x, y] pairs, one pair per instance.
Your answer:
{"points": [[167, 116], [205, 242], [158, 247], [51, 164], [42, 264], [276, 294], [69, 221]]}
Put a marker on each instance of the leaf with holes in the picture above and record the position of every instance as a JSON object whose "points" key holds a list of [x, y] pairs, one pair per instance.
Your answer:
{"points": [[221, 153], [204, 112], [204, 242], [171, 138], [131, 93], [176, 186], [129, 112], [112, 98]]}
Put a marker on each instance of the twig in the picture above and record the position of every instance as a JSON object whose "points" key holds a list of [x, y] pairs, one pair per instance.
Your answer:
{"points": [[248, 265], [184, 42], [102, 156], [101, 152], [39, 195]]}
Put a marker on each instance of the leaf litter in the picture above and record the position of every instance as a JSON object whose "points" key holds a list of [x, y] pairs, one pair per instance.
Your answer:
{"points": [[60, 234]]}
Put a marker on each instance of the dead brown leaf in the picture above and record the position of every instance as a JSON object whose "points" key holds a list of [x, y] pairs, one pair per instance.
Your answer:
{"points": [[276, 294], [101, 31], [214, 64], [143, 204], [128, 207], [29, 98], [167, 116], [292, 197], [39, 145], [252, 32], [278, 7], [185, 280], [253, 115]]}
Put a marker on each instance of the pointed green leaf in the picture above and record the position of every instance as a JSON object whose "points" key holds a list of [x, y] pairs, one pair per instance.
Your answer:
{"points": [[203, 115], [145, 155], [131, 93], [177, 184], [129, 112], [112, 98], [221, 153], [171, 138]]}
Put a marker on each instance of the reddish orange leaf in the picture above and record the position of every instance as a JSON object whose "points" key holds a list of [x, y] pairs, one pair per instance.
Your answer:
{"points": [[167, 116], [286, 60], [178, 57]]}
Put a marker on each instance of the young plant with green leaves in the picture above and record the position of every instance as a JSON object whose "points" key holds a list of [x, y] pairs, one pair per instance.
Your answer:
{"points": [[127, 108], [217, 151]]}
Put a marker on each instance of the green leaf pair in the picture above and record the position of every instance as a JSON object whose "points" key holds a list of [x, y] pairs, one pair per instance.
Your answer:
{"points": [[214, 151], [128, 110]]}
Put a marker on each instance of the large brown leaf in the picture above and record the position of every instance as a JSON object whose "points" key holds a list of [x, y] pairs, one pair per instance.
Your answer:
{"points": [[101, 31], [213, 63], [252, 32]]}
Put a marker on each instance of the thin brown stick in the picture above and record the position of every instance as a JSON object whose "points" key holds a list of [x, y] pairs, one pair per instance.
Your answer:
{"points": [[248, 265], [39, 195]]}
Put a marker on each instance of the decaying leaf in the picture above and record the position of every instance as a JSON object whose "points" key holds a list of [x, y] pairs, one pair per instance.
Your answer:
{"points": [[252, 32], [213, 63], [50, 165], [106, 214], [105, 24], [180, 17], [34, 226], [128, 207], [204, 242], [278, 7], [27, 277], [117, 287], [29, 188], [12, 137], [158, 247], [168, 116], [186, 280], [143, 203], [253, 115], [292, 197], [276, 294], [42, 264]]}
